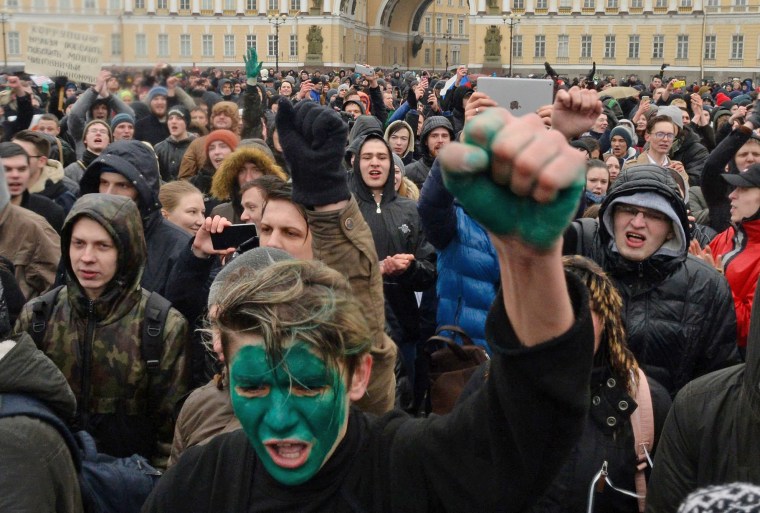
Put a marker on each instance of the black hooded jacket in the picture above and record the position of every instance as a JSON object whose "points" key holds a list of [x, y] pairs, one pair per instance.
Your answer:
{"points": [[135, 161], [418, 171], [679, 312], [712, 435], [396, 228]]}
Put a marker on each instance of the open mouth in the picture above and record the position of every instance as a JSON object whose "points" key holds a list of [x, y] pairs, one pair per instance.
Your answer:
{"points": [[375, 173], [635, 239], [288, 453], [88, 275]]}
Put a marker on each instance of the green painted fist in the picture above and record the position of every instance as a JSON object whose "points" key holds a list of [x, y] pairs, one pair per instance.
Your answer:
{"points": [[252, 63], [515, 177]]}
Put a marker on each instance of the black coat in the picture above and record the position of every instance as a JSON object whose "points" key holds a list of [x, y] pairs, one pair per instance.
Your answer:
{"points": [[712, 435], [170, 153], [396, 228], [47, 208], [493, 453], [692, 154], [679, 312]]}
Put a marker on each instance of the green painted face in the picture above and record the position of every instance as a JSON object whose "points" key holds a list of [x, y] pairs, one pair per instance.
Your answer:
{"points": [[293, 413]]}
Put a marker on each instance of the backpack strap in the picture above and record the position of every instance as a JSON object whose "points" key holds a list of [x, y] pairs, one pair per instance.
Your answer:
{"points": [[642, 421], [12, 405], [42, 309], [152, 342]]}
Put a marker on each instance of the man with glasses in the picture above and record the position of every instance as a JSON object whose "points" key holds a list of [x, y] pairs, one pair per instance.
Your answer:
{"points": [[679, 314]]}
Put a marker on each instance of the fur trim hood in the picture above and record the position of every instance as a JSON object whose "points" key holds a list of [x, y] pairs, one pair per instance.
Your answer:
{"points": [[225, 184]]}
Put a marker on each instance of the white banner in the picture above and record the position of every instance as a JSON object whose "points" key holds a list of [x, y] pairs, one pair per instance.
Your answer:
{"points": [[55, 52]]}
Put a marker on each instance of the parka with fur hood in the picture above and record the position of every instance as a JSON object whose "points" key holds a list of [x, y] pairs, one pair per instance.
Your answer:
{"points": [[679, 312], [225, 186], [136, 161], [119, 404]]}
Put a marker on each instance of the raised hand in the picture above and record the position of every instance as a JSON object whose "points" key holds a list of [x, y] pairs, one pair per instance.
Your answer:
{"points": [[575, 111], [252, 64], [313, 140], [514, 177]]}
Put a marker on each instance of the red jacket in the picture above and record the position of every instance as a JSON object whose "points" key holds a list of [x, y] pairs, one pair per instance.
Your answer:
{"points": [[739, 249]]}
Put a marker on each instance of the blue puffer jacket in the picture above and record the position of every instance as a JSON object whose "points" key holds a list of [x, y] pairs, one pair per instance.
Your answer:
{"points": [[468, 269]]}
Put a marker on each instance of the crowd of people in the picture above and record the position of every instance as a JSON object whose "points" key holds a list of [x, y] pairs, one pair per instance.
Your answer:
{"points": [[289, 372]]}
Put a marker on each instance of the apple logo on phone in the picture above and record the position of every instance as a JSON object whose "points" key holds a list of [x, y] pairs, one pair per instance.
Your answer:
{"points": [[514, 105]]}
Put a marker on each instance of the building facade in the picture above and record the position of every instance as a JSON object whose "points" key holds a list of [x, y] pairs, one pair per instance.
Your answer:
{"points": [[697, 38]]}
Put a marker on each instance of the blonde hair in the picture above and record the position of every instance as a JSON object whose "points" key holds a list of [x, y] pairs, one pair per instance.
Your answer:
{"points": [[171, 193]]}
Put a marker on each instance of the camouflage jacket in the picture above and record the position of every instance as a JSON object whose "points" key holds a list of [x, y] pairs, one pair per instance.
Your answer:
{"points": [[127, 410]]}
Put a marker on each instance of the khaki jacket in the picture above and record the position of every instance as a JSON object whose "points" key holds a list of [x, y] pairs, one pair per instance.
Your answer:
{"points": [[34, 247]]}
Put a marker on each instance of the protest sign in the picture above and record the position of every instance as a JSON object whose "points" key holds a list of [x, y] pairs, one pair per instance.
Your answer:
{"points": [[55, 52]]}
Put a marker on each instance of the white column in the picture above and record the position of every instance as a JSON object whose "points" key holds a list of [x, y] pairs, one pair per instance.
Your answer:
{"points": [[217, 6], [240, 9], [128, 6], [152, 6], [196, 6], [173, 6]]}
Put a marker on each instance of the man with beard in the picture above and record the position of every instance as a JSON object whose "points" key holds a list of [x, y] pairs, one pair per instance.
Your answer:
{"points": [[152, 128], [437, 132]]}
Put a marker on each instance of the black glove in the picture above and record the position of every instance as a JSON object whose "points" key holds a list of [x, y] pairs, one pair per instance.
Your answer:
{"points": [[313, 140], [411, 98]]}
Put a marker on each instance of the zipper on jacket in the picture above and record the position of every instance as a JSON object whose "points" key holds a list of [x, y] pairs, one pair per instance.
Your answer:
{"points": [[378, 211], [87, 364]]}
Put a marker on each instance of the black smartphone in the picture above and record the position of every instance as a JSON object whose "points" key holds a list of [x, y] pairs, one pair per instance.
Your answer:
{"points": [[234, 235]]}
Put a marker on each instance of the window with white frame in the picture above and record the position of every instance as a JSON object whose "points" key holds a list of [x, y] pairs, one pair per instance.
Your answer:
{"points": [[184, 5], [250, 5], [116, 44], [740, 3], [449, 25], [518, 4], [461, 26], [163, 45], [710, 44], [438, 56], [427, 55], [294, 45], [540, 46], [274, 5], [637, 4], [295, 5], [185, 45], [271, 45], [250, 41], [661, 4], [438, 25], [658, 46], [517, 46], [586, 45], [737, 46], [229, 5], [207, 45], [90, 4], [609, 46], [207, 5], [229, 45], [589, 4], [141, 45], [541, 4], [685, 3], [612, 4], [682, 46], [14, 43], [427, 25], [11, 4], [563, 45], [633, 46], [162, 4]]}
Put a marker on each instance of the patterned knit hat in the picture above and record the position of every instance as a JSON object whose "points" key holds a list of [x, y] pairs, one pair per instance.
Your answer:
{"points": [[733, 497]]}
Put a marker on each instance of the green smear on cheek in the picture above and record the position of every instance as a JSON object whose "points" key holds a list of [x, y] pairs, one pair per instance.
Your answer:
{"points": [[301, 399]]}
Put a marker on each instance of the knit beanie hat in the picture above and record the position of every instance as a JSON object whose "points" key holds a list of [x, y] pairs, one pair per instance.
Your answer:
{"points": [[5, 193], [157, 91], [70, 85], [343, 87], [226, 136], [181, 111], [95, 122], [259, 144], [623, 132], [400, 163], [676, 246], [245, 265], [120, 118], [673, 113], [732, 497], [721, 98]]}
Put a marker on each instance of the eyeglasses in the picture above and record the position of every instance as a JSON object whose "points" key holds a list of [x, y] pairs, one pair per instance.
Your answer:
{"points": [[649, 214], [663, 135]]}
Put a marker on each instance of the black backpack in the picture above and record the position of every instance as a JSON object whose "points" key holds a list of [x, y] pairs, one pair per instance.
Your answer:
{"points": [[107, 484], [152, 344]]}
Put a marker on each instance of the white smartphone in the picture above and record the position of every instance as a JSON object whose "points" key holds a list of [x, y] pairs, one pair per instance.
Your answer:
{"points": [[518, 95]]}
